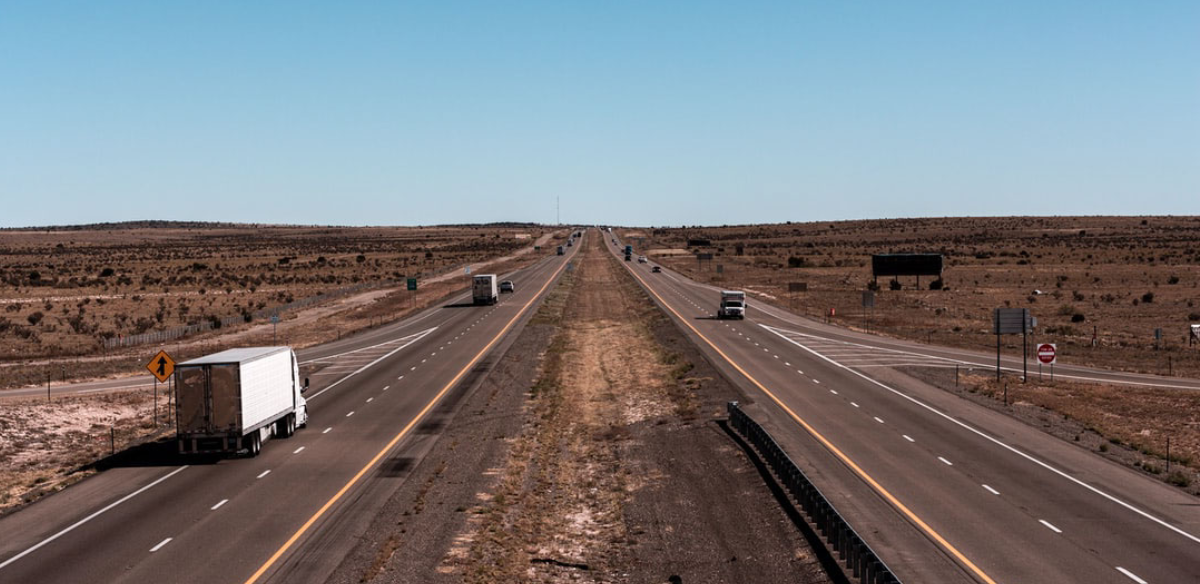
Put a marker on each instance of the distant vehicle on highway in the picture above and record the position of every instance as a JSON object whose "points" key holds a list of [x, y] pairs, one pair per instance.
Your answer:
{"points": [[656, 269], [642, 259], [483, 289], [507, 286], [569, 244], [733, 304], [237, 399]]}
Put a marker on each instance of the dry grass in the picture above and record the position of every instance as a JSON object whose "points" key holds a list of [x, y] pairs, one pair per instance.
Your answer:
{"points": [[45, 445], [1119, 276], [62, 291], [556, 514]]}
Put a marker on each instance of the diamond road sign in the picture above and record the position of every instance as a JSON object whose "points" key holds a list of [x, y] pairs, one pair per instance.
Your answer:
{"points": [[161, 366]]}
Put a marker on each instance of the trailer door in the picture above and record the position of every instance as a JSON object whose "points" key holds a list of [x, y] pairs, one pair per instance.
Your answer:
{"points": [[225, 401], [191, 390]]}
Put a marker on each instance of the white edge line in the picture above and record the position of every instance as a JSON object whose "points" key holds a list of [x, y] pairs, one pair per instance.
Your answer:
{"points": [[1131, 575], [90, 517], [1049, 526], [981, 434]]}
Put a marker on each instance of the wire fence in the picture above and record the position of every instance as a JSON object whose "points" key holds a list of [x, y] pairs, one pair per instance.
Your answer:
{"points": [[858, 557], [169, 334]]}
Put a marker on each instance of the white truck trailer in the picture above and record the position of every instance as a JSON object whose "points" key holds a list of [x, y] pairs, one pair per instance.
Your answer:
{"points": [[237, 399], [483, 289], [733, 304]]}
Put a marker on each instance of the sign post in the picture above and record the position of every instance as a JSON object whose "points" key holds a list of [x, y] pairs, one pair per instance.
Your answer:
{"points": [[1013, 321], [868, 301], [1047, 354], [161, 366]]}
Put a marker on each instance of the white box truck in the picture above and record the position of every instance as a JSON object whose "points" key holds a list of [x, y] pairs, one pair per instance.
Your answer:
{"points": [[237, 399], [483, 290], [733, 304]]}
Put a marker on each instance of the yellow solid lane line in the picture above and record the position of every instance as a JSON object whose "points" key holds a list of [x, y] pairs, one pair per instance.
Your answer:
{"points": [[829, 445], [429, 406]]}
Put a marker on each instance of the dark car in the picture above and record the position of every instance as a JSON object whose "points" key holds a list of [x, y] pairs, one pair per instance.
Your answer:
{"points": [[507, 286], [656, 269]]}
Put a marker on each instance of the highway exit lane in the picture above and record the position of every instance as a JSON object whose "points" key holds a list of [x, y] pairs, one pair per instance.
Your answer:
{"points": [[1015, 519]]}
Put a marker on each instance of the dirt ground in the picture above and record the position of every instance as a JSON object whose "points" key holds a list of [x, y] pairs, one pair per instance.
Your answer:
{"points": [[592, 489], [47, 445], [1114, 279], [593, 452], [25, 359]]}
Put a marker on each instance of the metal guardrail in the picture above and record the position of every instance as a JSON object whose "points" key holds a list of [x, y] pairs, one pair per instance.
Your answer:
{"points": [[207, 325], [858, 557]]}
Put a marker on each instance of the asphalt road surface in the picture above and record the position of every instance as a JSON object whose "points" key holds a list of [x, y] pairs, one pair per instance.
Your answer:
{"points": [[376, 403], [945, 490]]}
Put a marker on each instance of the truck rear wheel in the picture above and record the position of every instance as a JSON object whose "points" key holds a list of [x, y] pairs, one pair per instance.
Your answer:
{"points": [[254, 443]]}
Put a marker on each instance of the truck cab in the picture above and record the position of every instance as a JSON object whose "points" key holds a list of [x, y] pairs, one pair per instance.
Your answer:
{"points": [[733, 304]]}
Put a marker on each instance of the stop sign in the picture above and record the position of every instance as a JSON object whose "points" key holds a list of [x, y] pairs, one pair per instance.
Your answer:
{"points": [[1047, 353]]}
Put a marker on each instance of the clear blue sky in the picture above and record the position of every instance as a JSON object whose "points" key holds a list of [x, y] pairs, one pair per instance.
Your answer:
{"points": [[637, 113]]}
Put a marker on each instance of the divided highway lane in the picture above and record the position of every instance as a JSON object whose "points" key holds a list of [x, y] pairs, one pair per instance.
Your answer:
{"points": [[995, 500], [291, 513]]}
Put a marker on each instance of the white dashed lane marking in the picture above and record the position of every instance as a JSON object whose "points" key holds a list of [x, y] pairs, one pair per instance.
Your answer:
{"points": [[1130, 575], [948, 463], [298, 450], [1049, 526], [218, 505], [907, 437], [264, 473], [326, 430], [991, 490], [160, 544]]}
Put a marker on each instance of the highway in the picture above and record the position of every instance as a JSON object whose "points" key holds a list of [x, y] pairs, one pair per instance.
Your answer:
{"points": [[376, 403], [945, 490]]}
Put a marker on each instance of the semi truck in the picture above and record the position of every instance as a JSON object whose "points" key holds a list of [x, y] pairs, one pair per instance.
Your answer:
{"points": [[235, 400], [733, 304], [483, 289], [561, 250]]}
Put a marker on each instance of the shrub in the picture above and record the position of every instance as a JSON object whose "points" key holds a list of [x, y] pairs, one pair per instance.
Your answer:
{"points": [[936, 284], [795, 262], [1179, 479], [1195, 316], [873, 286], [895, 285], [1078, 317], [35, 318], [106, 272], [1148, 297], [1173, 280]]}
